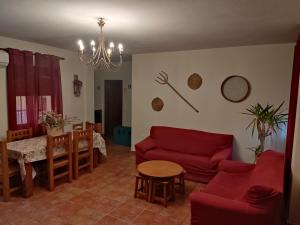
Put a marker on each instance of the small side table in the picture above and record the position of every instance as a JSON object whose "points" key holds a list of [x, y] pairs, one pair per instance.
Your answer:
{"points": [[161, 173]]}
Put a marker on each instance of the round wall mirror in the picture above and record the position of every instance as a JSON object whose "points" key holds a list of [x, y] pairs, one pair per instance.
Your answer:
{"points": [[235, 88]]}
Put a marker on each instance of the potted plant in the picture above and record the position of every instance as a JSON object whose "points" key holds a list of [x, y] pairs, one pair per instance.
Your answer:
{"points": [[266, 121], [54, 123]]}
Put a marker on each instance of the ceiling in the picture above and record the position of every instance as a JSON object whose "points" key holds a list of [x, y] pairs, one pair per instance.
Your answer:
{"points": [[152, 25]]}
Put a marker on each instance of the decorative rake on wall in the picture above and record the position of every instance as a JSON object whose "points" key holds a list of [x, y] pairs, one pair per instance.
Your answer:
{"points": [[163, 79]]}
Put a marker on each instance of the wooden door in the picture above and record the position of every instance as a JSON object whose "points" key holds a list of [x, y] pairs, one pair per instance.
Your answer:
{"points": [[113, 105]]}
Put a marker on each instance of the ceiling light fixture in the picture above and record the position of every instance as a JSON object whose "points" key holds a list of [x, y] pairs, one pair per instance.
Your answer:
{"points": [[101, 56]]}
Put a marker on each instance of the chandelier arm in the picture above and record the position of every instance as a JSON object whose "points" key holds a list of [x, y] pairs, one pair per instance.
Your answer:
{"points": [[118, 64], [96, 61], [81, 57], [96, 54]]}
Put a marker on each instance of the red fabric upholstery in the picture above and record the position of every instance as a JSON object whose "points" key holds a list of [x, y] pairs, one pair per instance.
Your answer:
{"points": [[235, 167], [198, 152], [242, 194]]}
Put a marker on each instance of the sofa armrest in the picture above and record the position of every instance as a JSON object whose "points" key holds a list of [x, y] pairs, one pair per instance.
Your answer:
{"points": [[235, 167], [216, 210], [145, 145], [221, 155]]}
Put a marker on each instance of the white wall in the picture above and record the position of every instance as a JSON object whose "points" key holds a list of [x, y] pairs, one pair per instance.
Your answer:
{"points": [[295, 193], [81, 107], [123, 74], [267, 67]]}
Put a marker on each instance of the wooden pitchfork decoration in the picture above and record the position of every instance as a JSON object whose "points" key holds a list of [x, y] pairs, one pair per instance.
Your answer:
{"points": [[163, 79]]}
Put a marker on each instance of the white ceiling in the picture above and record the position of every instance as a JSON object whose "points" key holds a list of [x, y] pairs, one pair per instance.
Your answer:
{"points": [[152, 25]]}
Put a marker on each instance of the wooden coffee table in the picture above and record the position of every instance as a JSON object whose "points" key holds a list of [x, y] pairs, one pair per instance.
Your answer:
{"points": [[161, 171]]}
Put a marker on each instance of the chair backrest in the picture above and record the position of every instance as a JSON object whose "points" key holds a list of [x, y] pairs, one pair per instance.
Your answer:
{"points": [[82, 135], [16, 135], [78, 126], [97, 127], [59, 142], [3, 156], [4, 170]]}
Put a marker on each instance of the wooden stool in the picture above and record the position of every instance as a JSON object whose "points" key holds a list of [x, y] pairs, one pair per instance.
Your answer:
{"points": [[167, 188], [181, 183], [141, 187]]}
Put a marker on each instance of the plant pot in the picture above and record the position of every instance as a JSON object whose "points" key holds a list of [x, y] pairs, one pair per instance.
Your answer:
{"points": [[257, 155], [55, 131]]}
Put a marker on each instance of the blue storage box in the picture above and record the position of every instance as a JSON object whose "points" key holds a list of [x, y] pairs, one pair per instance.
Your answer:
{"points": [[122, 135]]}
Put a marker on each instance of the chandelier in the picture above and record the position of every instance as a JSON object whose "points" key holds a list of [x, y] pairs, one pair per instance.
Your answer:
{"points": [[100, 57]]}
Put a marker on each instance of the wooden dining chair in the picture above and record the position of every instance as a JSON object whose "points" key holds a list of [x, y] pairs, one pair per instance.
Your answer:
{"points": [[78, 126], [59, 158], [8, 170], [82, 151], [97, 127], [16, 135]]}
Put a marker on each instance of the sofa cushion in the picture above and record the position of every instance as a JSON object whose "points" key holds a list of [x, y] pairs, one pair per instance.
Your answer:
{"points": [[190, 141], [191, 163], [228, 185], [258, 195]]}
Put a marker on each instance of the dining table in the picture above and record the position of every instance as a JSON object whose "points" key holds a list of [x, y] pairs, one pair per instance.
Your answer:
{"points": [[28, 151]]}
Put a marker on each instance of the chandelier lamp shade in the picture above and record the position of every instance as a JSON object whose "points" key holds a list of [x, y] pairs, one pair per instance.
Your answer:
{"points": [[100, 57]]}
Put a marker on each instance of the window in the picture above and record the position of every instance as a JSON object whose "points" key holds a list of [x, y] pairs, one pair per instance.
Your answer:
{"points": [[21, 110], [44, 104]]}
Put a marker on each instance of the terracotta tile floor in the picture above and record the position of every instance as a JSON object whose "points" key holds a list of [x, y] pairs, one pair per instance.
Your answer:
{"points": [[104, 197]]}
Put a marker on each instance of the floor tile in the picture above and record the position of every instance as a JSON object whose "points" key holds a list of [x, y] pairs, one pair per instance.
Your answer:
{"points": [[104, 197]]}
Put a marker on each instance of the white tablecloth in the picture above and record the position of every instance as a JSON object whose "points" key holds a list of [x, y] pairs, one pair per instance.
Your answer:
{"points": [[34, 149]]}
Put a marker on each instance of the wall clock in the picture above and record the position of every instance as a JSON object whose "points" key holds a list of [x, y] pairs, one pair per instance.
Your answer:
{"points": [[235, 88]]}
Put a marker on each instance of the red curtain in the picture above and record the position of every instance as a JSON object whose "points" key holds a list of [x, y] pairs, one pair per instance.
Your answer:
{"points": [[20, 90], [47, 70], [32, 89], [292, 116]]}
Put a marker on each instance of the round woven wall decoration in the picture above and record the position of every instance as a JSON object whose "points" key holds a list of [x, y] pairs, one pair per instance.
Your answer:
{"points": [[235, 88], [194, 81], [157, 104]]}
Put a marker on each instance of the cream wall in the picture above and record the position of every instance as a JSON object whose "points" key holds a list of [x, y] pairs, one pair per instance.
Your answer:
{"points": [[295, 194], [267, 67], [123, 74], [81, 107]]}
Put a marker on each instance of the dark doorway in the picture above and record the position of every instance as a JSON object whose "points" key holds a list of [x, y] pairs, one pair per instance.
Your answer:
{"points": [[113, 105]]}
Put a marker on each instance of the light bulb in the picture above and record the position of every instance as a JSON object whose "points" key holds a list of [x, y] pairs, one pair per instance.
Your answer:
{"points": [[93, 48], [120, 46], [111, 45], [80, 43], [93, 43], [109, 51]]}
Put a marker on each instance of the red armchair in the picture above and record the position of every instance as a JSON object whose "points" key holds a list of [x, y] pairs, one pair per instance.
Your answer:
{"points": [[198, 152], [242, 194]]}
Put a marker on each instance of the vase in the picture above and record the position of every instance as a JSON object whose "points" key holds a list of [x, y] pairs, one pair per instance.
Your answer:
{"points": [[55, 131]]}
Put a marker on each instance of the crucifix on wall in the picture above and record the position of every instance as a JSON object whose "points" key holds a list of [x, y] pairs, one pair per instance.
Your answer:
{"points": [[77, 85]]}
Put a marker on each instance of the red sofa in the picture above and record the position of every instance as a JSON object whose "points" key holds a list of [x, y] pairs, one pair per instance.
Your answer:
{"points": [[198, 152], [242, 194]]}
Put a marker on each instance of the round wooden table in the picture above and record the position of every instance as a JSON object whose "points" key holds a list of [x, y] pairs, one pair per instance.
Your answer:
{"points": [[161, 170]]}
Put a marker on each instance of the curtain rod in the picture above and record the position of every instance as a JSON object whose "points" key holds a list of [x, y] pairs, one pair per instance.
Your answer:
{"points": [[6, 49]]}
